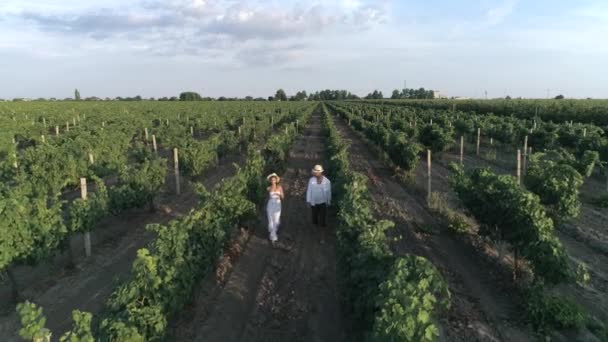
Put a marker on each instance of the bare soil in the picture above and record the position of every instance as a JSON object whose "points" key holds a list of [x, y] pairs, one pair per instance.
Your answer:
{"points": [[282, 293]]}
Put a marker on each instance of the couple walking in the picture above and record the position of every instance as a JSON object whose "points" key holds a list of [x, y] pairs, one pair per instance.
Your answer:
{"points": [[318, 198]]}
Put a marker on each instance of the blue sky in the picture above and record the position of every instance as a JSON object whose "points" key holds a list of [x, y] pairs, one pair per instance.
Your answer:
{"points": [[235, 48]]}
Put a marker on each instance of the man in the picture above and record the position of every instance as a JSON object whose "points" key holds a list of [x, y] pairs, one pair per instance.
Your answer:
{"points": [[318, 197]]}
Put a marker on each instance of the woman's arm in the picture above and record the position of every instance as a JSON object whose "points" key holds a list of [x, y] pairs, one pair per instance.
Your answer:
{"points": [[281, 193]]}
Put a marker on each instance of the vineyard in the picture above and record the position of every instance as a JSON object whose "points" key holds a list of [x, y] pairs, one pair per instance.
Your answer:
{"points": [[145, 221]]}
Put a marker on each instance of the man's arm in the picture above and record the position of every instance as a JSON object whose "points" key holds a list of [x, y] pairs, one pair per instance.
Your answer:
{"points": [[328, 192], [308, 194]]}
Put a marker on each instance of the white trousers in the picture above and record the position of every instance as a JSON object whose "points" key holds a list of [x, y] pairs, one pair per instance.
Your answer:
{"points": [[273, 211]]}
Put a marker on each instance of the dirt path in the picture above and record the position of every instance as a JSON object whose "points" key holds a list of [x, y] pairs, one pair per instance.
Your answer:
{"points": [[481, 309], [287, 293], [88, 287]]}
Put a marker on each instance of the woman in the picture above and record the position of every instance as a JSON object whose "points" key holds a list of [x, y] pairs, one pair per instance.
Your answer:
{"points": [[273, 208]]}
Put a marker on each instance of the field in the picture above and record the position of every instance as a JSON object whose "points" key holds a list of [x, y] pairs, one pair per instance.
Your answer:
{"points": [[437, 230]]}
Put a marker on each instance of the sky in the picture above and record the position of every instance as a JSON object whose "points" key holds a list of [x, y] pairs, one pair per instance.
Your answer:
{"points": [[154, 48]]}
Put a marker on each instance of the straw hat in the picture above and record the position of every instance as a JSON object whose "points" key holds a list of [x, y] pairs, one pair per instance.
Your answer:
{"points": [[318, 169], [273, 175]]}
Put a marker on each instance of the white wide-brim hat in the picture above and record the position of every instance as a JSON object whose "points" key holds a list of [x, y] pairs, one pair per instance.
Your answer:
{"points": [[273, 175], [317, 169]]}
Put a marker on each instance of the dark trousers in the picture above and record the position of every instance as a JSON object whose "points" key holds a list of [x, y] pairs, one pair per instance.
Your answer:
{"points": [[319, 214]]}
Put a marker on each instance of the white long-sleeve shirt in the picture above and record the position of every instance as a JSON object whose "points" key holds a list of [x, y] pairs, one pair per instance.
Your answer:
{"points": [[318, 193]]}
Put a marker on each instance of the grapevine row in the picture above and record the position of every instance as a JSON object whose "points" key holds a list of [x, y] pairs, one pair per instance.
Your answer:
{"points": [[396, 298]]}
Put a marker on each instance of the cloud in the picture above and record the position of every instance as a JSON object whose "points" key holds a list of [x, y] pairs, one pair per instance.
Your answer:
{"points": [[210, 28], [497, 15], [243, 22], [102, 23], [239, 20]]}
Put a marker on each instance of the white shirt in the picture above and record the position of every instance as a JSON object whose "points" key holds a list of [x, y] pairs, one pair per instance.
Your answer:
{"points": [[318, 193]]}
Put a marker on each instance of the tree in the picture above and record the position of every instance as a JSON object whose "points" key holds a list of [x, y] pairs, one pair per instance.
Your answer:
{"points": [[76, 95], [376, 95], [280, 95], [299, 96], [559, 97], [396, 95], [190, 96], [248, 98]]}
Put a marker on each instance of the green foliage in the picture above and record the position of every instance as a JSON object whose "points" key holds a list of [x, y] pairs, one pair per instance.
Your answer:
{"points": [[81, 332], [403, 153], [190, 96], [32, 322], [83, 215], [436, 138], [408, 300], [139, 185], [196, 157], [280, 95], [557, 184], [587, 163], [509, 213], [31, 228], [548, 312]]}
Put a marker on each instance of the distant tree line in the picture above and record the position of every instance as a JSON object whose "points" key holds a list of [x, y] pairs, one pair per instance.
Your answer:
{"points": [[413, 94], [280, 95], [323, 95]]}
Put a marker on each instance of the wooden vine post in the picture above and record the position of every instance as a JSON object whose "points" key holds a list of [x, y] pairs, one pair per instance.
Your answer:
{"points": [[478, 139], [154, 143], [44, 122], [176, 169], [461, 150], [43, 138], [146, 133], [525, 165], [91, 158], [519, 167], [56, 130], [428, 161], [67, 126], [191, 131], [87, 234]]}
